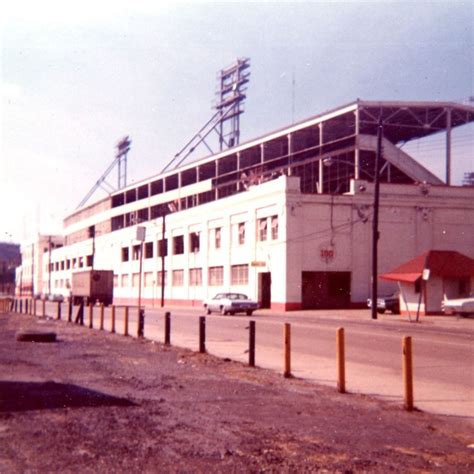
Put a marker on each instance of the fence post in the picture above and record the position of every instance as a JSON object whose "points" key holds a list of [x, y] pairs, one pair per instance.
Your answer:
{"points": [[341, 362], [101, 316], [167, 328], [43, 308], [408, 372], [141, 323], [287, 343], [69, 311], [252, 343], [112, 317], [34, 307], [21, 305], [125, 331], [202, 334]]}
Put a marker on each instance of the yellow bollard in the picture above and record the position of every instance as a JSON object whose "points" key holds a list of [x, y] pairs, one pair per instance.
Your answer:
{"points": [[125, 331], [341, 363], [408, 372], [101, 316], [287, 342]]}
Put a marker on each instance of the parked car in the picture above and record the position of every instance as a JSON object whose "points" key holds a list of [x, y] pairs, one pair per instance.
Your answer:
{"points": [[462, 306], [386, 303], [56, 297], [230, 303]]}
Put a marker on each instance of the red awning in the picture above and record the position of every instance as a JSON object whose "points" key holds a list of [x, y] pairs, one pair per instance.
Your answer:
{"points": [[443, 263]]}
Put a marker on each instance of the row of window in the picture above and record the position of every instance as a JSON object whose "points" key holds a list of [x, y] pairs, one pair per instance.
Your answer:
{"points": [[70, 264], [239, 275], [177, 243]]}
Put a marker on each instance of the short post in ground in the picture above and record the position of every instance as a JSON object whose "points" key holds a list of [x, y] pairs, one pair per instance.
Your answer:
{"points": [[408, 372], [112, 319], [252, 343], [125, 330], [101, 316], [167, 328], [91, 315], [58, 311], [287, 346], [341, 362], [202, 334]]}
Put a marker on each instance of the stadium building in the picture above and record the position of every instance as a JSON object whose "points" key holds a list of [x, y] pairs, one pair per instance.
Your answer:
{"points": [[285, 218]]}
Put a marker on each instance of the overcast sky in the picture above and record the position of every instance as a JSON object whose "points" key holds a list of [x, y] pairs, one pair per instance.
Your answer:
{"points": [[76, 77]]}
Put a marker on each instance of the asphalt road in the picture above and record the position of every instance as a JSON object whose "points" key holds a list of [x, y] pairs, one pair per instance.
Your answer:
{"points": [[443, 349]]}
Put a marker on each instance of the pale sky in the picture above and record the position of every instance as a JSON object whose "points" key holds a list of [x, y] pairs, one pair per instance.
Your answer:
{"points": [[77, 77]]}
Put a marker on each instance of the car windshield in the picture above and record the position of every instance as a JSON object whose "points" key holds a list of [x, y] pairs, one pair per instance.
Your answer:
{"points": [[236, 296]]}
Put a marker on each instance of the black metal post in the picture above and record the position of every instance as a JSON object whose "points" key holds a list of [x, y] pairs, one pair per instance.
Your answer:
{"points": [[69, 312], [375, 226], [202, 334], [167, 328], [252, 343]]}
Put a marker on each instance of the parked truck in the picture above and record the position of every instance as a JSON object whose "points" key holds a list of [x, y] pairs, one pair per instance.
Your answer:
{"points": [[93, 286]]}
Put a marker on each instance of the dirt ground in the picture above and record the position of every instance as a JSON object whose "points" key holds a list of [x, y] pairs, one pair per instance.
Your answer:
{"points": [[97, 402]]}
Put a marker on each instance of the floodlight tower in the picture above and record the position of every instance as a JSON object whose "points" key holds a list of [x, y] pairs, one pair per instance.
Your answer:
{"points": [[232, 82]]}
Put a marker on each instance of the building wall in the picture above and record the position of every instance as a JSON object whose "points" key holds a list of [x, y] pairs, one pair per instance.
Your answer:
{"points": [[316, 233]]}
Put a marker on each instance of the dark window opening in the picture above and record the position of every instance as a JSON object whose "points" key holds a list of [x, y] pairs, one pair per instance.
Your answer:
{"points": [[89, 260], [125, 254], [136, 252], [207, 171], [162, 247], [156, 187], [172, 182], [143, 192], [149, 250], [188, 177], [131, 195], [178, 245], [118, 200], [117, 222], [250, 157], [194, 243], [142, 215]]}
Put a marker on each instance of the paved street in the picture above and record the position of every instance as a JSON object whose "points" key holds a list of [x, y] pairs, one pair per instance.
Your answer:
{"points": [[443, 349]]}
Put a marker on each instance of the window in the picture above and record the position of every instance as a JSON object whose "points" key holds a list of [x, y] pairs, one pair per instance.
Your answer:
{"points": [[62, 264], [241, 230], [117, 222], [135, 279], [125, 280], [68, 264], [136, 252], [195, 276], [81, 262], [162, 248], [148, 279], [149, 250], [217, 237], [125, 255], [74, 263], [178, 245], [89, 260], [178, 277], [216, 276], [274, 221], [194, 242], [239, 274], [116, 281], [160, 278], [262, 229]]}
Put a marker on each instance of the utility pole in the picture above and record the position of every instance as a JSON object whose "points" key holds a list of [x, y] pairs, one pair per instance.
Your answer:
{"points": [[375, 226]]}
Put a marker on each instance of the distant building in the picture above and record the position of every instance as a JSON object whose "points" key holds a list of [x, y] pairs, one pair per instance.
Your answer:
{"points": [[286, 218], [9, 259], [33, 276]]}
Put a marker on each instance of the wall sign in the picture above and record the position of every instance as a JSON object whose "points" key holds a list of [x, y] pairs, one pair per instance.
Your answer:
{"points": [[327, 253]]}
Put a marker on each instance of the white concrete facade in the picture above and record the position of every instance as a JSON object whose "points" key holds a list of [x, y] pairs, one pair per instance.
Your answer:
{"points": [[315, 233]]}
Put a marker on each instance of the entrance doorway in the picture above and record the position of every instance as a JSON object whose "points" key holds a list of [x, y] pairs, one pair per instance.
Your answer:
{"points": [[264, 289], [326, 290]]}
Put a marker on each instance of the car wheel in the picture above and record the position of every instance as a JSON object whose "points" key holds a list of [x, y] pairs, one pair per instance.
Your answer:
{"points": [[223, 311], [249, 313]]}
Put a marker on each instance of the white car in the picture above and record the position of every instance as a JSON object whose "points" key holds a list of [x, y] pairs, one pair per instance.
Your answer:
{"points": [[230, 303], [462, 306]]}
